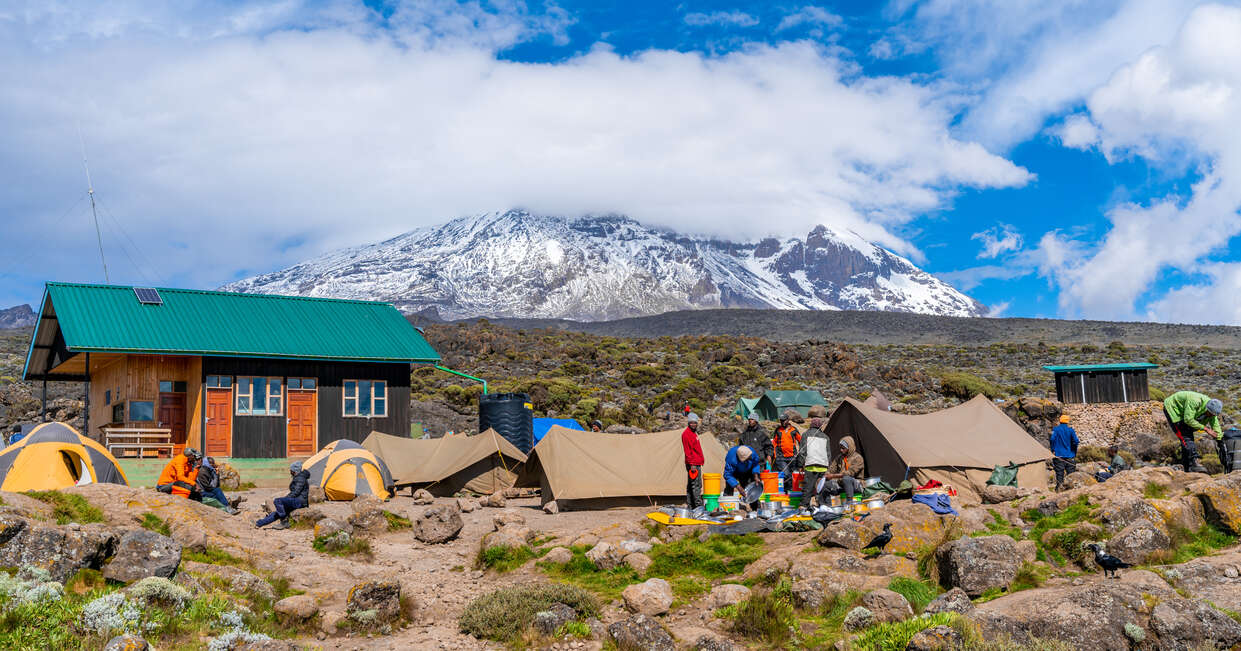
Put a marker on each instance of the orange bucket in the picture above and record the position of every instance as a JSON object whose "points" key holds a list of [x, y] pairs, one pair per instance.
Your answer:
{"points": [[771, 481], [711, 483], [797, 479]]}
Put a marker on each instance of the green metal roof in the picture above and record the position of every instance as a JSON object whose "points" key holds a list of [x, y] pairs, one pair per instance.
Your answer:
{"points": [[1087, 368], [109, 318]]}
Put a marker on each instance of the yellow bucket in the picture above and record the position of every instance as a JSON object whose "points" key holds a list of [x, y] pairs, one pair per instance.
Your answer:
{"points": [[711, 483]]}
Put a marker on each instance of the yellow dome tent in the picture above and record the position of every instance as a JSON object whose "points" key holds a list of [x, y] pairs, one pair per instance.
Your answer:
{"points": [[54, 456], [346, 470]]}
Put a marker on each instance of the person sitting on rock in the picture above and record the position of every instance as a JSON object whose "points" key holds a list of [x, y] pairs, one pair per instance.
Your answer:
{"points": [[208, 484], [298, 497], [180, 476], [846, 471], [1190, 412], [1116, 464], [1064, 450], [741, 468]]}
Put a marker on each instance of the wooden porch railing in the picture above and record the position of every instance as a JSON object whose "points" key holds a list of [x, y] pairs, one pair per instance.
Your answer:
{"points": [[137, 441]]}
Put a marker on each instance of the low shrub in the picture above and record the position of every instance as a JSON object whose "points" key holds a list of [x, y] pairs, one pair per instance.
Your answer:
{"points": [[1028, 576], [1187, 545], [768, 617], [963, 385], [397, 522], [895, 636], [67, 507], [918, 593], [719, 557], [505, 614], [342, 544]]}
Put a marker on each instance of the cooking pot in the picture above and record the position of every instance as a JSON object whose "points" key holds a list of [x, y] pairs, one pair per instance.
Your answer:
{"points": [[768, 509], [682, 512], [835, 509]]}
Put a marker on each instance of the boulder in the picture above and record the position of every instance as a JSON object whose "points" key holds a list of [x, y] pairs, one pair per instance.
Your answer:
{"points": [[605, 556], [639, 562], [845, 534], [309, 516], [712, 642], [1192, 625], [238, 580], [141, 553], [438, 524], [493, 501], [300, 606], [62, 551], [1216, 579], [328, 527], [727, 594], [466, 505], [230, 479], [191, 538], [976, 564], [858, 619], [126, 643], [809, 594], [1028, 550], [887, 606], [992, 494], [330, 621], [558, 555], [423, 497], [1079, 479], [953, 601], [914, 526], [367, 514], [1221, 501], [936, 638], [586, 540], [1183, 512], [1120, 511], [549, 621], [513, 535], [640, 633], [651, 597], [11, 525], [375, 601], [636, 546], [315, 495], [507, 516], [551, 508], [1137, 541]]}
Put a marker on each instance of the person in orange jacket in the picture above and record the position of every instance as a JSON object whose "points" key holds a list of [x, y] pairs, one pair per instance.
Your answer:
{"points": [[787, 444], [180, 475]]}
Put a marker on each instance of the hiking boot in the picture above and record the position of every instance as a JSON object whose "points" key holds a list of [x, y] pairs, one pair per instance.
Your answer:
{"points": [[283, 524], [235, 501], [231, 511]]}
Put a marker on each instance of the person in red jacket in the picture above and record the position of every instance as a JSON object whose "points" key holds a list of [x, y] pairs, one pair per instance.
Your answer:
{"points": [[693, 463]]}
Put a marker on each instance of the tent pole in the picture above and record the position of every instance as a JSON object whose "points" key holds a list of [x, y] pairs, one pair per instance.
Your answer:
{"points": [[460, 374]]}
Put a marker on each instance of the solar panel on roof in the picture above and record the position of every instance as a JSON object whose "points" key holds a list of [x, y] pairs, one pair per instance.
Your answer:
{"points": [[148, 296]]}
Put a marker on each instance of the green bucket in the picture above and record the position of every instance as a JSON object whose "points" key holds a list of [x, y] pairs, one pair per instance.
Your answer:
{"points": [[794, 501], [712, 502]]}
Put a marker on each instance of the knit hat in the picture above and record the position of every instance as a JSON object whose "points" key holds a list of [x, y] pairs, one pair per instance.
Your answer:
{"points": [[1065, 418], [191, 453], [295, 467], [692, 417], [816, 423], [744, 453], [1215, 406]]}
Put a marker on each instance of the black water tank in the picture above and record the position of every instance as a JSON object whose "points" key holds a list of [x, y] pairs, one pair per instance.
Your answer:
{"points": [[510, 416]]}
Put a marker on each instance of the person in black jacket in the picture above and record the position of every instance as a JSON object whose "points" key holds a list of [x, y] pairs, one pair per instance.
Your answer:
{"points": [[208, 483], [299, 494], [755, 438]]}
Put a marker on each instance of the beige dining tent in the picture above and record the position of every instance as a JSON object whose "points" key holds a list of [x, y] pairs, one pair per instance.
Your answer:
{"points": [[486, 463], [959, 446], [595, 470]]}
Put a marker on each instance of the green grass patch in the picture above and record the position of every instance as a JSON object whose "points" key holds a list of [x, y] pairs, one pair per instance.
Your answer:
{"points": [[1188, 545], [582, 572], [989, 594], [1154, 491], [397, 522], [895, 636], [67, 507], [215, 556], [767, 617], [1065, 545], [338, 545], [719, 557], [156, 524], [573, 629], [1028, 576], [963, 385], [1000, 525], [247, 486], [688, 588], [502, 558], [505, 614], [918, 593]]}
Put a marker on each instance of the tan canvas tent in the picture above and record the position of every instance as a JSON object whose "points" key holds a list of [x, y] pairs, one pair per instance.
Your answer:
{"points": [[486, 463], [959, 446], [611, 469]]}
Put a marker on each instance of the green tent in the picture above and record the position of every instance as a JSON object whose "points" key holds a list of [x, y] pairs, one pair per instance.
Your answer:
{"points": [[773, 403], [745, 406]]}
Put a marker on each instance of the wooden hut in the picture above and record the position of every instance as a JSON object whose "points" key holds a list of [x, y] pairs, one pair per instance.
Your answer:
{"points": [[1096, 383]]}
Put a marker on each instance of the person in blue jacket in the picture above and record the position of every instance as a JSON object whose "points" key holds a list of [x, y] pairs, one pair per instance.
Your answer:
{"points": [[741, 468], [1063, 450]]}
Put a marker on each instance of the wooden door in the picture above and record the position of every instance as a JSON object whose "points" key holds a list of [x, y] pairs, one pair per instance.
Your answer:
{"points": [[302, 413], [172, 416], [219, 437]]}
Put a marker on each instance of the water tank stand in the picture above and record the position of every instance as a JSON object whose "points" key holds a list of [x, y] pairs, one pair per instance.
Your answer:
{"points": [[460, 374]]}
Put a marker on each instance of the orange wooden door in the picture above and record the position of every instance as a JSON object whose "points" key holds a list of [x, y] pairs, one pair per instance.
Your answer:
{"points": [[219, 431], [172, 416], [302, 418]]}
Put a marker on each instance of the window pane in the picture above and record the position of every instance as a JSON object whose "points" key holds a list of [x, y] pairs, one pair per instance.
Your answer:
{"points": [[273, 405], [295, 383], [273, 386], [118, 413], [243, 386], [165, 387], [213, 381], [351, 407], [381, 407], [364, 398], [142, 410], [178, 387], [381, 389], [226, 381], [107, 397], [243, 404], [351, 389], [308, 383]]}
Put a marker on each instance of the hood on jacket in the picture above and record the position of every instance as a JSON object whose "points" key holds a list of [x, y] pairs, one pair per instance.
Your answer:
{"points": [[847, 441]]}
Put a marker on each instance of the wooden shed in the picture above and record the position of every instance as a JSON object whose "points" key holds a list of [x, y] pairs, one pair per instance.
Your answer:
{"points": [[236, 375], [1095, 383]]}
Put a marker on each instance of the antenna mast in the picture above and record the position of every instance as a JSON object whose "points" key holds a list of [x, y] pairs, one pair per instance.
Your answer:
{"points": [[90, 191]]}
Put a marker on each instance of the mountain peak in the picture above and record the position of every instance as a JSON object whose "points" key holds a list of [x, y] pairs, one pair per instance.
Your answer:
{"points": [[516, 263]]}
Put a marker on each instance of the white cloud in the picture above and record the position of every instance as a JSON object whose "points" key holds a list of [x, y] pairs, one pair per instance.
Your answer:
{"points": [[247, 152], [999, 309], [726, 18], [967, 279], [809, 15], [1077, 131], [999, 239], [1211, 302], [1169, 104]]}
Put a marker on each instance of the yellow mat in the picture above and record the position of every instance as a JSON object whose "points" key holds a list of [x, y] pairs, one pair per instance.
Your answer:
{"points": [[664, 518]]}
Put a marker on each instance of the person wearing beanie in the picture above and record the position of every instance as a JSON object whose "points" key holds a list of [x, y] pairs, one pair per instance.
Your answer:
{"points": [[1190, 412], [755, 438], [787, 443], [298, 498], [815, 458], [741, 468], [693, 463], [1064, 450]]}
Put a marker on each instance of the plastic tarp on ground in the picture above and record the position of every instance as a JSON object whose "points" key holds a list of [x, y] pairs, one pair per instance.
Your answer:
{"points": [[596, 470], [486, 463], [959, 446], [541, 425]]}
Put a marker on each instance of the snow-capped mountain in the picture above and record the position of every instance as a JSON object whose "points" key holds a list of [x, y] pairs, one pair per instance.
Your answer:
{"points": [[515, 264]]}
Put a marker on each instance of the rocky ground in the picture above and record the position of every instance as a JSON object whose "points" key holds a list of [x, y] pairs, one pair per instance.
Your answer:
{"points": [[1014, 571]]}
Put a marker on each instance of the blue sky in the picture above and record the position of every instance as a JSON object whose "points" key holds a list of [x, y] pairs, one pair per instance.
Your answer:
{"points": [[1052, 159]]}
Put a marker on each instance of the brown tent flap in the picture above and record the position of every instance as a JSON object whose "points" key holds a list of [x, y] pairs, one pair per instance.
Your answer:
{"points": [[962, 444], [486, 463], [574, 465]]}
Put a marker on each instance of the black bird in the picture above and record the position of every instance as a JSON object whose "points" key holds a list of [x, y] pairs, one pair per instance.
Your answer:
{"points": [[1108, 562], [882, 539]]}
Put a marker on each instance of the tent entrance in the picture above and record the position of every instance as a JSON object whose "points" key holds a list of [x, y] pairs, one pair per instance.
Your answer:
{"points": [[74, 468]]}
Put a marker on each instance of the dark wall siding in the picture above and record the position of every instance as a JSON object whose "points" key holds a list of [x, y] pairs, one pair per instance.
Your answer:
{"points": [[1102, 386], [264, 436]]}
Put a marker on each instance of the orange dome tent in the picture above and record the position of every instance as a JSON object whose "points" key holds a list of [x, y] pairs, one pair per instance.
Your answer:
{"points": [[54, 456], [346, 470]]}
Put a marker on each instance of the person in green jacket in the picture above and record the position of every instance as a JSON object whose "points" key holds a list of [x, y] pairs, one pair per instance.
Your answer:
{"points": [[1189, 412]]}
